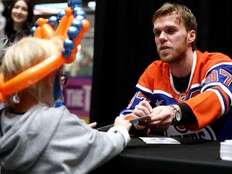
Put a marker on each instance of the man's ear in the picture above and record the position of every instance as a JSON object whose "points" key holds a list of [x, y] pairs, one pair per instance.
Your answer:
{"points": [[191, 36]]}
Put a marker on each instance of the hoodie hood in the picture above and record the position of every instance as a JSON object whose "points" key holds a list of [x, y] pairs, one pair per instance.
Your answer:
{"points": [[25, 137]]}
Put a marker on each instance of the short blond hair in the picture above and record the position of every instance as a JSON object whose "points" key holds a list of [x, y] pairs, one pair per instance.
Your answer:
{"points": [[26, 53]]}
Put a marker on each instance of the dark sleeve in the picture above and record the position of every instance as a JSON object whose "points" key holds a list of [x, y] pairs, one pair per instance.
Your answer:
{"points": [[188, 117]]}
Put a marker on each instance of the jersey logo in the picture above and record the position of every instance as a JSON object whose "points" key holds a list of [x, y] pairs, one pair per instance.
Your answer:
{"points": [[159, 102], [206, 133], [182, 97]]}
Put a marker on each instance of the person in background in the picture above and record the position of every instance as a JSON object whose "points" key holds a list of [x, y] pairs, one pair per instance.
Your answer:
{"points": [[2, 38], [187, 93], [19, 20], [37, 137], [2, 18]]}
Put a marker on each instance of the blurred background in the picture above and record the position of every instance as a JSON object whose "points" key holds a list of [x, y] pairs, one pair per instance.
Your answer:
{"points": [[77, 93], [119, 46]]}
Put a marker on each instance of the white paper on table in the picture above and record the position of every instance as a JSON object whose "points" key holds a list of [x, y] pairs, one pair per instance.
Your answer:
{"points": [[159, 140]]}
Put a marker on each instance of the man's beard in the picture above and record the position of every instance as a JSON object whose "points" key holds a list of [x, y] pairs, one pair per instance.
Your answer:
{"points": [[173, 58]]}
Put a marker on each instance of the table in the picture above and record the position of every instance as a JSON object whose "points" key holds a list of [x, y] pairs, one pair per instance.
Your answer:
{"points": [[139, 157]]}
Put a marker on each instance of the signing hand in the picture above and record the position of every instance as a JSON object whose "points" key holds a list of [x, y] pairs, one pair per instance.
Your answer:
{"points": [[162, 116], [142, 109]]}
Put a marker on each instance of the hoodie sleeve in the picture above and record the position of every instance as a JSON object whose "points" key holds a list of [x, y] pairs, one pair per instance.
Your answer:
{"points": [[77, 148]]}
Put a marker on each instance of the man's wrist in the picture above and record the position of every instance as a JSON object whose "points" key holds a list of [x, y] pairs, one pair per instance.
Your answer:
{"points": [[177, 115]]}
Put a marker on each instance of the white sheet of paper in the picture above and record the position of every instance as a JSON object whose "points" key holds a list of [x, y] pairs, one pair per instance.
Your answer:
{"points": [[159, 140]]}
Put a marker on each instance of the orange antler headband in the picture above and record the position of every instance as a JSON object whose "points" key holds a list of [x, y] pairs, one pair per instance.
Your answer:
{"points": [[71, 26]]}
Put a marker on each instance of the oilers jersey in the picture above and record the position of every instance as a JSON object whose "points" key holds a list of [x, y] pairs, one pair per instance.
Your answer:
{"points": [[208, 95]]}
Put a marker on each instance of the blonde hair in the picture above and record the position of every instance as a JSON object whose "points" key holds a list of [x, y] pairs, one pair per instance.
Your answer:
{"points": [[26, 53]]}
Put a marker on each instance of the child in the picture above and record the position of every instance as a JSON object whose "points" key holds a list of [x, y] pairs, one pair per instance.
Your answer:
{"points": [[37, 137]]}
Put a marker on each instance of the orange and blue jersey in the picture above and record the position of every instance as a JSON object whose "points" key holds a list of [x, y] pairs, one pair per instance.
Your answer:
{"points": [[209, 95]]}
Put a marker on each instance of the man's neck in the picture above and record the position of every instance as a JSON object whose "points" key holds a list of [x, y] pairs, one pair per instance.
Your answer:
{"points": [[183, 67]]}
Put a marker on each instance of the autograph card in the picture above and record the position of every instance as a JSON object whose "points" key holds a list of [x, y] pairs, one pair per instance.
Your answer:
{"points": [[159, 140]]}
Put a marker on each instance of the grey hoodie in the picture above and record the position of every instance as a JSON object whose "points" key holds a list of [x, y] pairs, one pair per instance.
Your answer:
{"points": [[48, 140]]}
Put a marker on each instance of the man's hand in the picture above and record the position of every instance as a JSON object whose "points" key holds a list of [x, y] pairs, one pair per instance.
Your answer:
{"points": [[162, 116], [142, 109]]}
